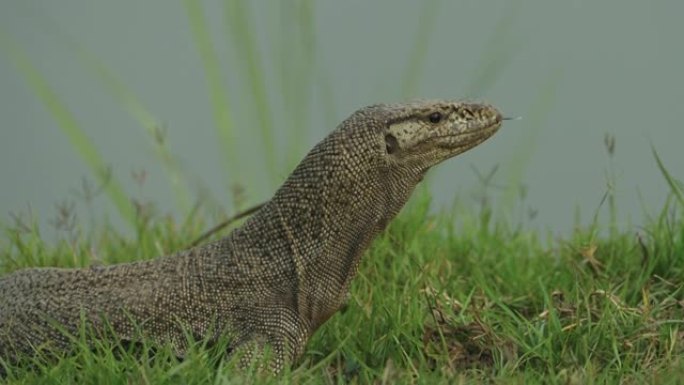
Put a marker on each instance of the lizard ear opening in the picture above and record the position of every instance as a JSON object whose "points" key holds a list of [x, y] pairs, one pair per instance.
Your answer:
{"points": [[391, 144]]}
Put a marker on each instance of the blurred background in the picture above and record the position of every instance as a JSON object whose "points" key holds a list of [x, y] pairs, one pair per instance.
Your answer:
{"points": [[183, 104]]}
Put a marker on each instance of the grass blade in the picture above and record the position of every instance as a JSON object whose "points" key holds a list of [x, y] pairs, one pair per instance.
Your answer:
{"points": [[674, 185], [536, 118], [136, 109], [239, 22], [499, 52], [296, 52], [152, 126], [418, 55], [70, 127], [218, 94]]}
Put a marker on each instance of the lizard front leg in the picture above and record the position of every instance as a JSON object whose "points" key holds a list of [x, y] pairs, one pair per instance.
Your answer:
{"points": [[281, 341]]}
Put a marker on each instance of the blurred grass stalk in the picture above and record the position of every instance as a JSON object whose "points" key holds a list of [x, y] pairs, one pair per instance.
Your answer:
{"points": [[218, 92], [419, 52], [69, 125], [239, 25], [147, 121], [675, 186], [535, 120], [498, 52], [129, 102], [296, 55]]}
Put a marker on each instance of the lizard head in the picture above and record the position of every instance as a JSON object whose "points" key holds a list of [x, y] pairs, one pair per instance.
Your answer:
{"points": [[421, 134]]}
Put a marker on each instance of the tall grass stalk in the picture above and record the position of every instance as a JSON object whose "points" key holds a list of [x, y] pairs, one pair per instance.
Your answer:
{"points": [[152, 126], [296, 62], [128, 100], [138, 111], [535, 120], [611, 181], [218, 92], [240, 26], [498, 52], [675, 186], [419, 52], [69, 125], [326, 97]]}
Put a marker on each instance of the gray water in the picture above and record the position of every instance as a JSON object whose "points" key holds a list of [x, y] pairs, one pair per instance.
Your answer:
{"points": [[576, 71]]}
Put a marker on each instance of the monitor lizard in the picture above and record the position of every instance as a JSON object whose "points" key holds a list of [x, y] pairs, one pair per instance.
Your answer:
{"points": [[277, 278]]}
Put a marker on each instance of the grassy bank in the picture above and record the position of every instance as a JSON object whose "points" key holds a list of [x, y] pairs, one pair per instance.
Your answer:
{"points": [[435, 302]]}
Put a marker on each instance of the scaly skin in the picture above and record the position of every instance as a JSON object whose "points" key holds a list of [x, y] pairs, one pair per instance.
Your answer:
{"points": [[277, 278]]}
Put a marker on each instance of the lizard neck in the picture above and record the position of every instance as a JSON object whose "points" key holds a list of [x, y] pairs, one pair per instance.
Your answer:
{"points": [[319, 223]]}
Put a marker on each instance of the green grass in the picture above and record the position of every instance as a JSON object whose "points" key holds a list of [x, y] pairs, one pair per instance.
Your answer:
{"points": [[434, 302]]}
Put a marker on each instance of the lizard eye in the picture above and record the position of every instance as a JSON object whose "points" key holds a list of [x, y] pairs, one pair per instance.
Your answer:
{"points": [[435, 117]]}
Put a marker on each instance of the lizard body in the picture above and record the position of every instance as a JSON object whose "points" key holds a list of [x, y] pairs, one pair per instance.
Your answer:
{"points": [[278, 277]]}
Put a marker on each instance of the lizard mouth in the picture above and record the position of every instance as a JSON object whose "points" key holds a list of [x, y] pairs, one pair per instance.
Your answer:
{"points": [[464, 139]]}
